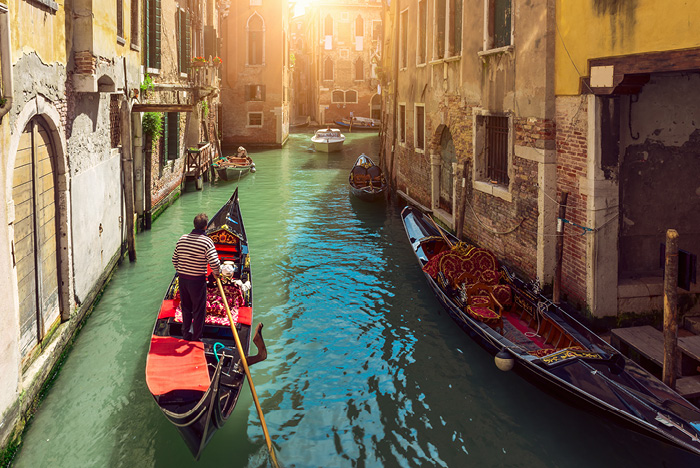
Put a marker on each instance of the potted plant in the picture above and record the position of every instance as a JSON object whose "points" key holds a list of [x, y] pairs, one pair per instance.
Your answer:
{"points": [[216, 61], [198, 62]]}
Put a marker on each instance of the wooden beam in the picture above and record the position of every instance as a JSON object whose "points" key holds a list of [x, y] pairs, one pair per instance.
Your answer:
{"points": [[162, 108]]}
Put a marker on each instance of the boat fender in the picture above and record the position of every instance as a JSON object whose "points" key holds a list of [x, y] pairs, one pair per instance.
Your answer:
{"points": [[504, 360], [252, 169]]}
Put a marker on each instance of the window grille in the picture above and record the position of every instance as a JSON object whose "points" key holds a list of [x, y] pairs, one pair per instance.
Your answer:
{"points": [[420, 127], [114, 117], [496, 149]]}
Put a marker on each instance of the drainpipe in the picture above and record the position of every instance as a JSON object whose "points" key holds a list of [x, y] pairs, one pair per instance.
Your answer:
{"points": [[6, 57]]}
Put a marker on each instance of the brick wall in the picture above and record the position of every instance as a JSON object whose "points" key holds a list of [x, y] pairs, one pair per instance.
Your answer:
{"points": [[509, 228], [572, 147], [85, 62]]}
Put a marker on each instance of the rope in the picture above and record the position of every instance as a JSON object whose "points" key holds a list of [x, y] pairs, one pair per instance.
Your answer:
{"points": [[222, 348]]}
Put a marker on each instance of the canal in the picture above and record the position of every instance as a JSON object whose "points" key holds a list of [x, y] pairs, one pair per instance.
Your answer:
{"points": [[364, 369]]}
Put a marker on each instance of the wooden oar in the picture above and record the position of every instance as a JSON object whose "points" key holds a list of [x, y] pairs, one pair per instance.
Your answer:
{"points": [[270, 448], [439, 230]]}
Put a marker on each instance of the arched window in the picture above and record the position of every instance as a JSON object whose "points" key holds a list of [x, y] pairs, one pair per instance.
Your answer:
{"points": [[328, 25], [337, 96], [328, 69], [256, 40], [359, 70], [359, 26], [351, 96]]}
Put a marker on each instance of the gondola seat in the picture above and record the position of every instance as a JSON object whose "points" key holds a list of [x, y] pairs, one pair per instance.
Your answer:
{"points": [[482, 306]]}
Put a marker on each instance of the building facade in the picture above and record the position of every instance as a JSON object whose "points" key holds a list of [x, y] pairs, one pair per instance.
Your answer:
{"points": [[469, 121], [627, 148], [256, 76], [346, 40]]}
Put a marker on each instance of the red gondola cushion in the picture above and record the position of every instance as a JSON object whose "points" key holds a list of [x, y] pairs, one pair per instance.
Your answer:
{"points": [[167, 309], [175, 364]]}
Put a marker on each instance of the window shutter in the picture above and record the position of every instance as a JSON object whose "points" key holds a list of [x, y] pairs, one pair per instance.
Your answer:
{"points": [[174, 135], [156, 33], [147, 18], [188, 44], [164, 155]]}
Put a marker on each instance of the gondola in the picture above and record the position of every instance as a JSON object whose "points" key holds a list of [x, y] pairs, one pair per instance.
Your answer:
{"points": [[366, 179], [234, 167], [526, 332], [360, 123], [196, 384]]}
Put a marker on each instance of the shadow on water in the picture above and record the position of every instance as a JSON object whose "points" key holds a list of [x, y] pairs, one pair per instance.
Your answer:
{"points": [[364, 367]]}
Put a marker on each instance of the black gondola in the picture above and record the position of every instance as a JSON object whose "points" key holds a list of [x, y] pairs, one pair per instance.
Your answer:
{"points": [[197, 384], [524, 330], [366, 179]]}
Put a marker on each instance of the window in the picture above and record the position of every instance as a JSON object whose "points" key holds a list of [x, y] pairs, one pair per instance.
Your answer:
{"points": [[359, 70], [339, 96], [256, 40], [255, 93], [152, 27], [114, 120], [422, 29], [454, 45], [120, 21], [402, 123], [183, 42], [344, 53], [351, 96], [171, 135], [328, 69], [359, 26], [255, 119], [497, 30], [439, 41], [328, 25], [492, 148], [376, 30], [403, 46], [419, 128], [135, 23]]}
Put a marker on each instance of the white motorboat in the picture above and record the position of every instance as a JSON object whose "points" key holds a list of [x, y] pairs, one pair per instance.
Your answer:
{"points": [[328, 140]]}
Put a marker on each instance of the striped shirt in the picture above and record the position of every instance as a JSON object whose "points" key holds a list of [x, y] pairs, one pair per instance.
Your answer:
{"points": [[192, 253]]}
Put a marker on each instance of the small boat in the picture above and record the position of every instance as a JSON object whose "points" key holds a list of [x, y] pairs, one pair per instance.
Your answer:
{"points": [[366, 179], [360, 123], [328, 140], [300, 124], [196, 384], [524, 330], [234, 167]]}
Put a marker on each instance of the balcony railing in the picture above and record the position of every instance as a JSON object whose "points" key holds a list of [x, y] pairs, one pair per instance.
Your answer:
{"points": [[205, 76]]}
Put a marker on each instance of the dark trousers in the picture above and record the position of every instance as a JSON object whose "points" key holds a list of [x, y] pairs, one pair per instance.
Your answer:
{"points": [[193, 301]]}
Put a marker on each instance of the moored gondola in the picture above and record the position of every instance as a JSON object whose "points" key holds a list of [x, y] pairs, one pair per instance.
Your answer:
{"points": [[196, 384], [525, 331], [366, 179]]}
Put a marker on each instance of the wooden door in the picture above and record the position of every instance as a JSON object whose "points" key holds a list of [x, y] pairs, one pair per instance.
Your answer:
{"points": [[35, 255]]}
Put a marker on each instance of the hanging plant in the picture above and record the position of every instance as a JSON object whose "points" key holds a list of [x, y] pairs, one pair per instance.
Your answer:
{"points": [[198, 62], [205, 108], [152, 124], [147, 85], [216, 61]]}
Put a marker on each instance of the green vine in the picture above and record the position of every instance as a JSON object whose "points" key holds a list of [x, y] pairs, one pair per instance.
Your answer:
{"points": [[152, 124], [205, 108], [147, 84]]}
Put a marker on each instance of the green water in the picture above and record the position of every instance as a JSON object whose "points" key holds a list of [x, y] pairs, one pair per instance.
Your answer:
{"points": [[364, 369]]}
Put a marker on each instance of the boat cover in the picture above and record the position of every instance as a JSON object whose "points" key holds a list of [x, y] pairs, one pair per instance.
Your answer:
{"points": [[175, 364]]}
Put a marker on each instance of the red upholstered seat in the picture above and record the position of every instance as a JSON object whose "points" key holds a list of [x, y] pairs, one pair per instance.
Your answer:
{"points": [[167, 308], [243, 316], [175, 364]]}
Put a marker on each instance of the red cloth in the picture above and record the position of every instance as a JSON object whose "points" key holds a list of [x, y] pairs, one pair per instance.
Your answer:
{"points": [[167, 309], [175, 364]]}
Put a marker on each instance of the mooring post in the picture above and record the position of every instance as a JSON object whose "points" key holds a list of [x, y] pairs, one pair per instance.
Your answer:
{"points": [[671, 309], [559, 252]]}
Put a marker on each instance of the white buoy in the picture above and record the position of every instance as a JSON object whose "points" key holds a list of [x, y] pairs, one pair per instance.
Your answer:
{"points": [[252, 169], [504, 360]]}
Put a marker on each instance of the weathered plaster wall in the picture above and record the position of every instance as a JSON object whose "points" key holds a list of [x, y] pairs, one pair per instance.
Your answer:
{"points": [[660, 172], [605, 28]]}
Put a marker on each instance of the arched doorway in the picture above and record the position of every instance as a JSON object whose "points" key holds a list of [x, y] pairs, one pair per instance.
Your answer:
{"points": [[35, 240], [448, 156], [375, 107]]}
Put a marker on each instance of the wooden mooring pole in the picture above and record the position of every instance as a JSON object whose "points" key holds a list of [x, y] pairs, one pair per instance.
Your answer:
{"points": [[128, 171], [671, 309], [559, 252]]}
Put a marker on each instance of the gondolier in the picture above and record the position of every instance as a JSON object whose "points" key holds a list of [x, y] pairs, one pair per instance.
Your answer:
{"points": [[192, 253]]}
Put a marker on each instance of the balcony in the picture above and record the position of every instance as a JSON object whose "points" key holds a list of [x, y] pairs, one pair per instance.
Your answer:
{"points": [[204, 76]]}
